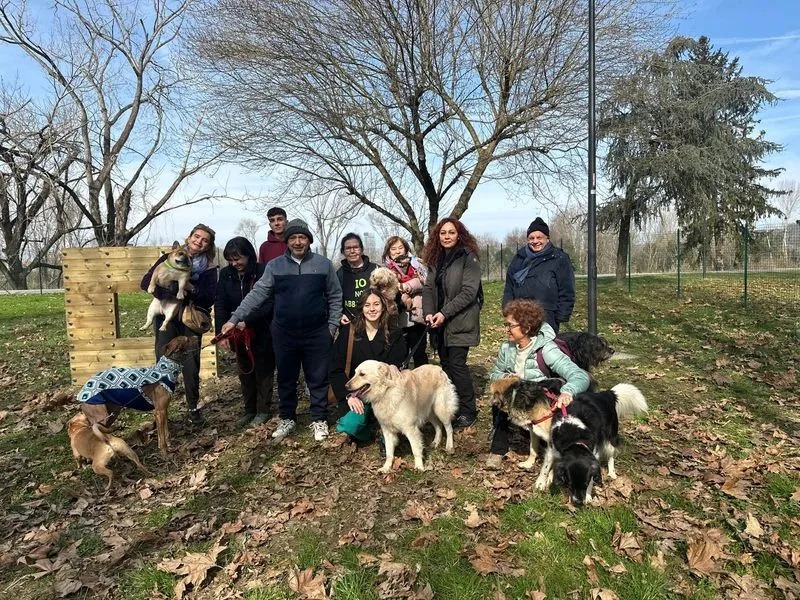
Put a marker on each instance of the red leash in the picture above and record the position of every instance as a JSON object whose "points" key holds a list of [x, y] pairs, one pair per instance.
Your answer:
{"points": [[553, 401], [239, 336]]}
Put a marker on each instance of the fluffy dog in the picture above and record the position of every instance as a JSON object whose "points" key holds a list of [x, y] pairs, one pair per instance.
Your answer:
{"points": [[403, 401], [91, 442], [529, 405], [177, 267], [588, 434], [104, 396], [588, 350], [385, 281]]}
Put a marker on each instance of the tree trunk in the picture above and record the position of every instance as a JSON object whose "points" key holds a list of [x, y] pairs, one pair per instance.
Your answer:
{"points": [[623, 243]]}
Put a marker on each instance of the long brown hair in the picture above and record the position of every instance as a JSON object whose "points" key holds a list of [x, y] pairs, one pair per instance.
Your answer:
{"points": [[359, 323], [433, 248]]}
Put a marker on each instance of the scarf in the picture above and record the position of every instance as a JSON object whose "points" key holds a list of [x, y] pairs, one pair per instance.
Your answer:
{"points": [[199, 265], [530, 256]]}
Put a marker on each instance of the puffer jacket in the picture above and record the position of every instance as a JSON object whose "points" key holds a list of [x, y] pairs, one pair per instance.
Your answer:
{"points": [[550, 281], [232, 289], [577, 380], [461, 305]]}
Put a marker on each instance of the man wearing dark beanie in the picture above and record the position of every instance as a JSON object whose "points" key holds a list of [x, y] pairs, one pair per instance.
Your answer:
{"points": [[303, 291], [543, 273]]}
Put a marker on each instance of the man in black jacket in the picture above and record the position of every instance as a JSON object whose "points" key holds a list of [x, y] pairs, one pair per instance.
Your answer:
{"points": [[543, 273]]}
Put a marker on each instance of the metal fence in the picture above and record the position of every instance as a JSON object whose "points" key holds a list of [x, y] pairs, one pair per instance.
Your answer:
{"points": [[762, 262]]}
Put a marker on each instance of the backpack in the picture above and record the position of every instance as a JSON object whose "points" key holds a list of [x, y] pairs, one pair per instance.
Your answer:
{"points": [[563, 346]]}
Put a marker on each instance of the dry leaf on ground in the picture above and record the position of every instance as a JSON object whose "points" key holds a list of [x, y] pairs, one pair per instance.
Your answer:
{"points": [[193, 568], [308, 585]]}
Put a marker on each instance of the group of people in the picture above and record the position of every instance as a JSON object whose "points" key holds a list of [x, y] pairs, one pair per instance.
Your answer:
{"points": [[288, 307]]}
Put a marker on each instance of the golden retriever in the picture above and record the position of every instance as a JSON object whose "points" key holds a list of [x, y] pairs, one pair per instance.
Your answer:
{"points": [[403, 401]]}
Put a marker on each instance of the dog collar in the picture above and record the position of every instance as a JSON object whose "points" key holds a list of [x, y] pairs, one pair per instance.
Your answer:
{"points": [[583, 445]]}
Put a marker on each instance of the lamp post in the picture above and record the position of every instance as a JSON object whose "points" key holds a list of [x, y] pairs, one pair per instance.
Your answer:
{"points": [[592, 208]]}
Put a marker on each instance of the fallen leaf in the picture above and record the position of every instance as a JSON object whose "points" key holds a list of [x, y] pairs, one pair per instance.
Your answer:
{"points": [[535, 595], [753, 527], [591, 570], [197, 478], [486, 561], [627, 543], [473, 520], [307, 584], [301, 507], [701, 555], [193, 568], [424, 539], [796, 495], [657, 561], [602, 594], [398, 580]]}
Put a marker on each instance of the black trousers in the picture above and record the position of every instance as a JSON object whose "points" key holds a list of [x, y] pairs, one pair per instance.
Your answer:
{"points": [[414, 334], [454, 363], [256, 379], [500, 425], [191, 364], [311, 351]]}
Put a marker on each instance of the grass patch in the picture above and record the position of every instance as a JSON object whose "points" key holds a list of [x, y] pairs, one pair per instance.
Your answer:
{"points": [[140, 583]]}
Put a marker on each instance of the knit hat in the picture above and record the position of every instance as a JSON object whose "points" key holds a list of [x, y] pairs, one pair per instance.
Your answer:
{"points": [[296, 226], [538, 225]]}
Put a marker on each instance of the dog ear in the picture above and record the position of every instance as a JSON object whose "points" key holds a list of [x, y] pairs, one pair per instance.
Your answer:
{"points": [[561, 476], [176, 244]]}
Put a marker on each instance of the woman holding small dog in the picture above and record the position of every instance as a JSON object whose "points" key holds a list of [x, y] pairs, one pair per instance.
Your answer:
{"points": [[368, 336], [411, 274], [201, 291], [451, 300], [255, 359], [529, 332]]}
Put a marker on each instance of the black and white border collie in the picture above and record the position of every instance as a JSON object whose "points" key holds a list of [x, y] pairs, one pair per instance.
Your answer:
{"points": [[588, 434]]}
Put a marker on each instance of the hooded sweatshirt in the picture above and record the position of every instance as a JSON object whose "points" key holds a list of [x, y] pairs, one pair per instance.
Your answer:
{"points": [[354, 282]]}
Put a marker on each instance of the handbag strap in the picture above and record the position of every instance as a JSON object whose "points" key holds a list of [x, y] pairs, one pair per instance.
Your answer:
{"points": [[349, 357]]}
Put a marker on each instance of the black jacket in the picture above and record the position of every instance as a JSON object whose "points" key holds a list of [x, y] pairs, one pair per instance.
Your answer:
{"points": [[231, 290], [550, 281], [363, 349], [354, 282]]}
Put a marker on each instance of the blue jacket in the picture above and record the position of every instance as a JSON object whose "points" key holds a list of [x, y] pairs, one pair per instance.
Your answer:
{"points": [[577, 380], [550, 281], [303, 296]]}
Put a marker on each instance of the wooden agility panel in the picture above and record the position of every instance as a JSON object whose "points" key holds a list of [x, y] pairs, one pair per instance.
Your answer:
{"points": [[92, 279]]}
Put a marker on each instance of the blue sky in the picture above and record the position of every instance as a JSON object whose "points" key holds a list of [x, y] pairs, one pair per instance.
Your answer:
{"points": [[764, 34]]}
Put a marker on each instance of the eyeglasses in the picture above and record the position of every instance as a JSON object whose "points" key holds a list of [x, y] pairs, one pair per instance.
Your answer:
{"points": [[508, 325], [352, 248]]}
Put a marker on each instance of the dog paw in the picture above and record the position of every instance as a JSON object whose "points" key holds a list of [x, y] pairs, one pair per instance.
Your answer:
{"points": [[420, 467], [612, 474], [450, 450], [385, 470], [528, 464], [540, 485]]}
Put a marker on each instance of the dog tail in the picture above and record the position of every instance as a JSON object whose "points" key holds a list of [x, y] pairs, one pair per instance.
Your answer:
{"points": [[101, 433], [630, 401], [118, 445]]}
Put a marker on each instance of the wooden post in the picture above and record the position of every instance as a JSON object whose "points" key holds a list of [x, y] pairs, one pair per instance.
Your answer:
{"points": [[92, 279]]}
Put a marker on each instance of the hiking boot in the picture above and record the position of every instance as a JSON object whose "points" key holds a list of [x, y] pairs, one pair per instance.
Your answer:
{"points": [[259, 419], [245, 419], [196, 418], [320, 429], [285, 427], [463, 421], [494, 462]]}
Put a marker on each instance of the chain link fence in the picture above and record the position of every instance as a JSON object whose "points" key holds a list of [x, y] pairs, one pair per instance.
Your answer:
{"points": [[761, 262]]}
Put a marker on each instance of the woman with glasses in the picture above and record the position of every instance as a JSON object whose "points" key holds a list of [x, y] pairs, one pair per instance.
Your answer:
{"points": [[353, 274], [528, 332], [542, 272]]}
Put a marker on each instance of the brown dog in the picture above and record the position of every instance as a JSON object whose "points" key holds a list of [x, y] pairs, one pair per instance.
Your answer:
{"points": [[386, 282], [91, 442], [104, 396], [177, 267]]}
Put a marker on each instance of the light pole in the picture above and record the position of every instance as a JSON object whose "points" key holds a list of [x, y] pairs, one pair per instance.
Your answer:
{"points": [[592, 209]]}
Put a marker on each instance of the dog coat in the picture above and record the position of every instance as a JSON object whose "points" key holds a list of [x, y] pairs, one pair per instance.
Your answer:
{"points": [[123, 385]]}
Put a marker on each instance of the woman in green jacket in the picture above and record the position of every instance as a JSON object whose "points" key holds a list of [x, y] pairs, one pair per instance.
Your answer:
{"points": [[528, 333]]}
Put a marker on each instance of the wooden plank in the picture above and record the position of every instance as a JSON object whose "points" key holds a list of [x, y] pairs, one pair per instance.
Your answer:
{"points": [[138, 343], [114, 252], [100, 287]]}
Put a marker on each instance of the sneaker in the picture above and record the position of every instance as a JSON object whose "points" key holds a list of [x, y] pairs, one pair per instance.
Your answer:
{"points": [[320, 429], [494, 462], [196, 418], [259, 419], [245, 419], [285, 427], [463, 421]]}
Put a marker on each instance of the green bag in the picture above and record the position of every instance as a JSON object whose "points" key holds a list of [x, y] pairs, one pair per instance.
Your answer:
{"points": [[356, 425]]}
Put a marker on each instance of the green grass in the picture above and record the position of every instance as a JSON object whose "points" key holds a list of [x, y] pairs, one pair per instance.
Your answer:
{"points": [[682, 348]]}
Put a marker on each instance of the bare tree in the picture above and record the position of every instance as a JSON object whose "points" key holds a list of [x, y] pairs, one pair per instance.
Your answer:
{"points": [[789, 201], [248, 228], [407, 105], [38, 169], [109, 60]]}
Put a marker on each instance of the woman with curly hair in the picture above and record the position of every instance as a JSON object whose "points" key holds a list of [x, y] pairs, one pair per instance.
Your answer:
{"points": [[529, 332], [451, 302]]}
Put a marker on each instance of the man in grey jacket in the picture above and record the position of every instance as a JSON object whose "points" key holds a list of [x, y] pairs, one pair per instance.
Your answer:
{"points": [[306, 297]]}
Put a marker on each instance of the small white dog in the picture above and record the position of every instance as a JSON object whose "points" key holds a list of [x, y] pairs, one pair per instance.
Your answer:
{"points": [[403, 401]]}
